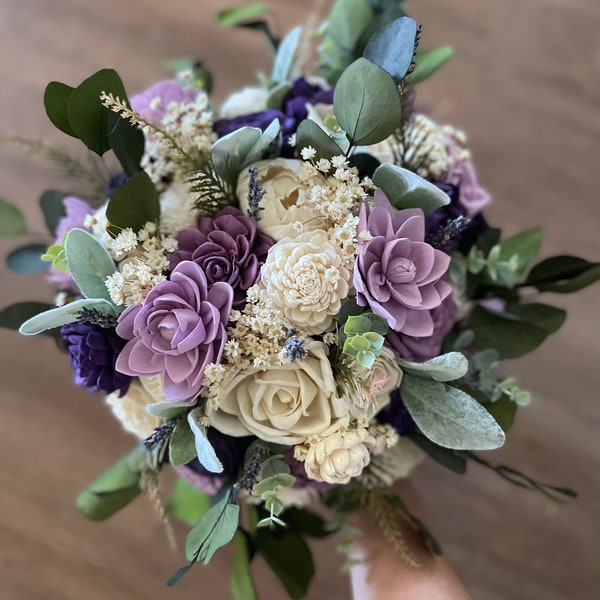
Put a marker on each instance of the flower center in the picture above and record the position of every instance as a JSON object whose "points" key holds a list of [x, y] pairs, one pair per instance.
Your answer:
{"points": [[400, 270]]}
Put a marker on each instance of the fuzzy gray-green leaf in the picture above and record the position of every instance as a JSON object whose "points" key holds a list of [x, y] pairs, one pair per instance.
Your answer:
{"points": [[446, 367]]}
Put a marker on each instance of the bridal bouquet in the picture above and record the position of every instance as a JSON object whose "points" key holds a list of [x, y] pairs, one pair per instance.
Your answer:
{"points": [[292, 297]]}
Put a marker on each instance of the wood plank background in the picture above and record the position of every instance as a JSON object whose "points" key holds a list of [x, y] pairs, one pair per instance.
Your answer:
{"points": [[525, 86]]}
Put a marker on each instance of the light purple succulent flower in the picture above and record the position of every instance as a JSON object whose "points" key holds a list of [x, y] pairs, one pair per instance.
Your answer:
{"points": [[228, 247], [397, 274], [177, 330], [152, 103]]}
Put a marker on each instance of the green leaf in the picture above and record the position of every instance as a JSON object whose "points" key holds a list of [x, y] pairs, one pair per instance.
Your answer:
{"points": [[53, 209], [405, 189], [87, 117], [427, 62], [444, 456], [310, 134], [518, 330], [284, 58], [187, 503], [11, 317], [206, 453], [56, 103], [393, 47], [366, 103], [525, 247], [89, 263], [56, 317], [446, 367], [306, 522], [12, 221], [127, 142], [234, 16], [26, 260], [215, 529], [168, 409], [277, 95], [133, 204], [563, 274], [289, 556], [242, 586], [449, 417], [114, 489], [182, 446]]}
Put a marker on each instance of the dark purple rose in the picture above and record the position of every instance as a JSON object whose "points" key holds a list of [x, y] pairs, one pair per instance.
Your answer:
{"points": [[93, 351], [396, 414], [152, 103], [292, 113], [228, 247], [419, 349], [397, 274], [177, 330]]}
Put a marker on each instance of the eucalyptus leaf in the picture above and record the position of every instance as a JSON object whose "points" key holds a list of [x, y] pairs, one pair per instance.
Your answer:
{"points": [[446, 367], [277, 95], [206, 453], [525, 247], [56, 317], [182, 445], [89, 263], [12, 221], [26, 259], [187, 503], [242, 586], [284, 58], [229, 152], [133, 204], [56, 103], [393, 47], [168, 409], [449, 417], [53, 209], [310, 134], [126, 141], [366, 103], [405, 189], [427, 62], [88, 118], [234, 16], [563, 274], [516, 331]]}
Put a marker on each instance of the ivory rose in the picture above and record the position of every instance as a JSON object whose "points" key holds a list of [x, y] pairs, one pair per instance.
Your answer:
{"points": [[305, 278], [285, 188], [283, 404]]}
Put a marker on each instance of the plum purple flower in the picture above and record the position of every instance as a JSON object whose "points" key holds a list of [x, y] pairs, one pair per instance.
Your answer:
{"points": [[93, 351], [397, 274], [228, 247], [177, 330]]}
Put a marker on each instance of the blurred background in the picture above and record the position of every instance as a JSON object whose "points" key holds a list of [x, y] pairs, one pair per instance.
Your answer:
{"points": [[524, 84]]}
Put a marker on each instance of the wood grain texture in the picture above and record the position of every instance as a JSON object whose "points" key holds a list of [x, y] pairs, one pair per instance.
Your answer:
{"points": [[524, 85]]}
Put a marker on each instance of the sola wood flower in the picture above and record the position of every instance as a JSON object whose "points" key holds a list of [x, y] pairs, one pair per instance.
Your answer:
{"points": [[178, 330], [228, 247], [397, 274]]}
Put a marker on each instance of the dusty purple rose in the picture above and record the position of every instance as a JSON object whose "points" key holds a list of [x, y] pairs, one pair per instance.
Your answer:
{"points": [[177, 330], [292, 113], [397, 274], [228, 247], [470, 194], [93, 351], [419, 349], [152, 103]]}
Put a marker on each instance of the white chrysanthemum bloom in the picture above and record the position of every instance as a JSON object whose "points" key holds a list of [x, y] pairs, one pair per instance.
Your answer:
{"points": [[305, 278], [248, 100], [338, 457], [285, 186], [130, 409], [282, 404], [177, 209]]}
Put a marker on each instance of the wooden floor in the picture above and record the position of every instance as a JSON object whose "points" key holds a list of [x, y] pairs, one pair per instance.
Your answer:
{"points": [[525, 85]]}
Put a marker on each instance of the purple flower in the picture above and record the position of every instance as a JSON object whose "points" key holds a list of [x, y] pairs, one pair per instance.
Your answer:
{"points": [[228, 247], [177, 330], [470, 194], [419, 349], [397, 274], [397, 415], [292, 113], [93, 351], [152, 103]]}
